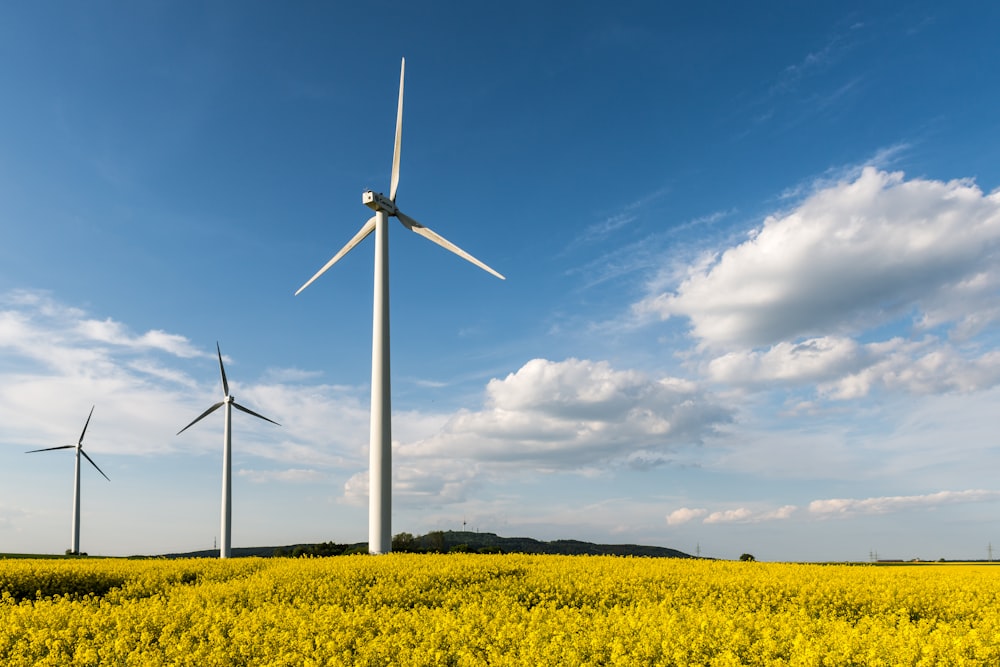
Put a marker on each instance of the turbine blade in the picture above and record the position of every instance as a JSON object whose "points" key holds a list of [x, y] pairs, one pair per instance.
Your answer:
{"points": [[225, 383], [415, 226], [202, 416], [365, 230], [399, 136], [251, 412], [88, 423], [49, 449], [94, 464]]}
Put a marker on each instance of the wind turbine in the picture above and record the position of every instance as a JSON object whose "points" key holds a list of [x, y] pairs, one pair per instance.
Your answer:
{"points": [[76, 478], [380, 438], [228, 400]]}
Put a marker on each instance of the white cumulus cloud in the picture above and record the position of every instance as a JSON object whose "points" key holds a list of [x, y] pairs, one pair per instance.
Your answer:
{"points": [[576, 412], [732, 515], [738, 515], [849, 258], [684, 515], [916, 367], [813, 360]]}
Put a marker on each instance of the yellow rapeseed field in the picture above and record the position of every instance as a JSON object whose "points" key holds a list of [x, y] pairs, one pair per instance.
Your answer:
{"points": [[465, 609]]}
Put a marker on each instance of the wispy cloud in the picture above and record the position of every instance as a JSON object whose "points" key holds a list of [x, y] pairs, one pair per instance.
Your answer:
{"points": [[842, 507], [287, 375], [816, 61], [430, 384], [162, 372], [291, 475], [830, 508], [645, 255], [812, 84], [635, 257], [614, 222], [57, 361], [115, 333]]}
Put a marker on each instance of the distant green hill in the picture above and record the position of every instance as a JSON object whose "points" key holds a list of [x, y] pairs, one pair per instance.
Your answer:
{"points": [[488, 541], [452, 540], [323, 549]]}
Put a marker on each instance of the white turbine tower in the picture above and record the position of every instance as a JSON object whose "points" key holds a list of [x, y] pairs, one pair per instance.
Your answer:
{"points": [[76, 478], [225, 549], [380, 439]]}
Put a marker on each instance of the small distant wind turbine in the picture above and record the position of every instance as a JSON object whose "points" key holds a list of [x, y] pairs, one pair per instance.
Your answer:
{"points": [[380, 438], [76, 478], [229, 401]]}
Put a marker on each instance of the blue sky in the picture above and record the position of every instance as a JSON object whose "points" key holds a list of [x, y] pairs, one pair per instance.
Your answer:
{"points": [[752, 293]]}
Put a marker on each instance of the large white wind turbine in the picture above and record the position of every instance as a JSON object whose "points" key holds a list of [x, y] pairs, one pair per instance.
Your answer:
{"points": [[225, 550], [76, 478], [380, 439]]}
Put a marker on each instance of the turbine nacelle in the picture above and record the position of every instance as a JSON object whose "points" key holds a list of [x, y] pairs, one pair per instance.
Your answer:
{"points": [[377, 201]]}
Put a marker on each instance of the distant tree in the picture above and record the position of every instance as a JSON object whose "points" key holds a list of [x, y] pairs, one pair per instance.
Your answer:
{"points": [[459, 549], [489, 550], [352, 551], [328, 549], [747, 557], [435, 541], [404, 542], [321, 550]]}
